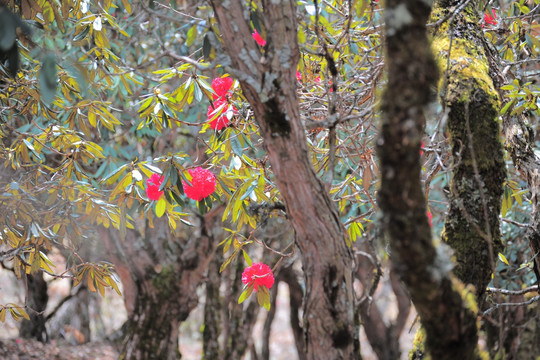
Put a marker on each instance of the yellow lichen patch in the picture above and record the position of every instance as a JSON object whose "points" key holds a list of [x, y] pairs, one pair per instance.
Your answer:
{"points": [[418, 350], [467, 65], [468, 294]]}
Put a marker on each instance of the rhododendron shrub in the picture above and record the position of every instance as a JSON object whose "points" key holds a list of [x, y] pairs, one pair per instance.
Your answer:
{"points": [[152, 187], [203, 183], [258, 274], [219, 113], [259, 278], [489, 19], [221, 87]]}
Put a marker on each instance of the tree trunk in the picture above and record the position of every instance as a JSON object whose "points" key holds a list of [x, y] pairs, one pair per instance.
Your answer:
{"points": [[383, 337], [447, 309], [152, 331], [212, 311], [269, 83], [164, 272], [36, 300], [478, 173]]}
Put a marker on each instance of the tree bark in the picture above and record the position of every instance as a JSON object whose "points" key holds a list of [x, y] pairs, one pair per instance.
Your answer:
{"points": [[164, 272], [288, 276], [212, 311], [447, 309], [36, 300], [472, 225], [268, 80]]}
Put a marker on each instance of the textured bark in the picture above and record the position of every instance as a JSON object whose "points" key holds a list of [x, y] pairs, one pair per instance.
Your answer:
{"points": [[212, 312], [224, 318], [36, 300], [164, 271], [446, 309], [268, 83], [240, 320], [478, 173], [295, 301]]}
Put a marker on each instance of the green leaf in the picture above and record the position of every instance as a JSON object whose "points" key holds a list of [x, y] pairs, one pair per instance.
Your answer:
{"points": [[263, 297], [246, 257], [82, 35], [236, 146], [245, 294], [198, 91], [228, 261], [191, 35], [248, 191], [207, 47], [503, 259], [160, 207]]}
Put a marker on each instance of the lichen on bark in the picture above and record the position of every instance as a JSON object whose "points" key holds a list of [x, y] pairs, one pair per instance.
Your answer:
{"points": [[472, 226]]}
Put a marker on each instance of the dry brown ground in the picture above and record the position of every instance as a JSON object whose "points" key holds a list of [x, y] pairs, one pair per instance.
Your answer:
{"points": [[112, 315]]}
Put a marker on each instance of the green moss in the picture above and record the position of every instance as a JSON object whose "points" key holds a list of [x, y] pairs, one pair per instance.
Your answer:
{"points": [[164, 281], [468, 70]]}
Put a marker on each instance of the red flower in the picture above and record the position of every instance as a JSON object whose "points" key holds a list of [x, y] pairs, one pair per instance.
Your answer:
{"points": [[429, 216], [299, 76], [421, 147], [152, 187], [221, 86], [258, 38], [259, 274], [220, 121], [203, 183], [488, 19]]}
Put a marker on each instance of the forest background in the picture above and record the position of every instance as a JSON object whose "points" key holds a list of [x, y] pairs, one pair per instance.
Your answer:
{"points": [[191, 152]]}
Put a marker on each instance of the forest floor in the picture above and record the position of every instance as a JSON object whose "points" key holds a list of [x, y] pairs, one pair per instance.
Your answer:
{"points": [[111, 315], [27, 349]]}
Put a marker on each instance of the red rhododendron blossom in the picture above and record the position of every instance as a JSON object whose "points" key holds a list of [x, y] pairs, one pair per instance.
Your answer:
{"points": [[152, 187], [488, 19], [203, 183], [220, 121], [260, 274], [221, 86], [429, 216], [258, 38], [299, 76], [421, 147]]}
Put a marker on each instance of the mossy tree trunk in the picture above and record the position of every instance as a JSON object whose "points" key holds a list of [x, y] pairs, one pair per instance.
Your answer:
{"points": [[447, 309], [472, 225], [161, 271], [268, 83]]}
